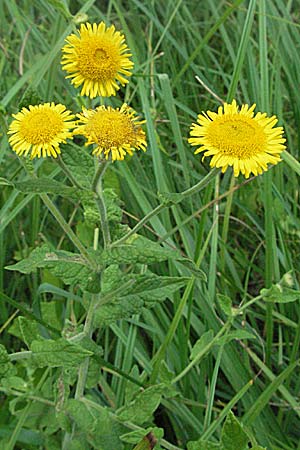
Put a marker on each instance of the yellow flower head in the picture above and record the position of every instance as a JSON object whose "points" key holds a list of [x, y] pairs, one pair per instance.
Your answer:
{"points": [[238, 138], [40, 129], [97, 59], [116, 132]]}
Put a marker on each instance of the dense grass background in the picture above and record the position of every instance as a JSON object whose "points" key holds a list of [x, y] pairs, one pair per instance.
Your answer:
{"points": [[246, 240]]}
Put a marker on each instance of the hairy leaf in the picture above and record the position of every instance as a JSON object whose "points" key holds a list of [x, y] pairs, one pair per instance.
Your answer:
{"points": [[279, 294], [80, 163], [143, 406], [201, 343], [96, 424], [69, 267], [138, 250], [133, 292], [6, 367], [236, 334], [226, 304], [45, 185], [49, 353], [233, 435]]}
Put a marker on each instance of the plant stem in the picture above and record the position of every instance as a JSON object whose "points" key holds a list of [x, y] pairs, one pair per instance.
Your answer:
{"points": [[97, 188], [67, 229], [197, 187], [67, 172], [87, 330], [203, 352]]}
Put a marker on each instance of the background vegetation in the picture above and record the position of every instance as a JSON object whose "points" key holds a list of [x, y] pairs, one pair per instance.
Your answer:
{"points": [[243, 234]]}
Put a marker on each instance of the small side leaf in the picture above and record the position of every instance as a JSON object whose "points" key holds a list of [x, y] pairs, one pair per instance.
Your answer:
{"points": [[279, 294], [233, 435], [225, 304], [143, 406], [201, 343], [236, 334]]}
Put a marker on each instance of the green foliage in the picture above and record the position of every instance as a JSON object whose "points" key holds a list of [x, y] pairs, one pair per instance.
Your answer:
{"points": [[141, 408], [233, 435], [201, 344], [129, 294], [279, 294], [226, 304], [30, 97], [100, 297], [45, 185], [58, 353], [69, 267], [134, 437], [6, 367], [100, 431], [207, 445], [79, 162]]}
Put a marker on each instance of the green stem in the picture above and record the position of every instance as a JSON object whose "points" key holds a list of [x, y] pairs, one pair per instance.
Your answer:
{"points": [[201, 184], [203, 352], [178, 315], [197, 187], [268, 198], [67, 229], [24, 414], [226, 227], [171, 332], [83, 369], [88, 330], [97, 188], [214, 425], [67, 172], [20, 355], [291, 161], [241, 51]]}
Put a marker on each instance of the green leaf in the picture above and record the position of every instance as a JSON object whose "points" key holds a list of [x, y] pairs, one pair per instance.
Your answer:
{"points": [[136, 436], [203, 445], [236, 334], [233, 435], [191, 266], [169, 198], [16, 383], [225, 304], [29, 330], [60, 5], [201, 343], [6, 367], [279, 294], [51, 313], [133, 292], [69, 267], [5, 182], [49, 353], [143, 406], [138, 250], [96, 424], [80, 163], [30, 97], [45, 185], [91, 211]]}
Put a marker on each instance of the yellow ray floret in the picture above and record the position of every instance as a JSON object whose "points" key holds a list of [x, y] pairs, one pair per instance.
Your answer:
{"points": [[116, 132], [238, 138], [97, 59], [40, 129]]}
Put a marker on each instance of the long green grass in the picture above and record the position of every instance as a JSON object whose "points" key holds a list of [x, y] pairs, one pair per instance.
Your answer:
{"points": [[244, 235]]}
